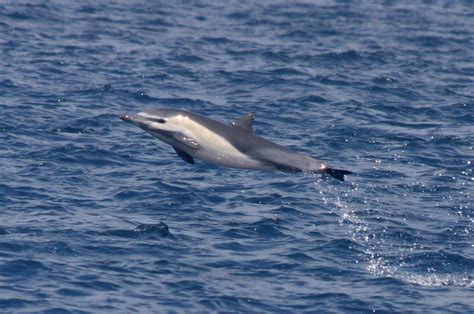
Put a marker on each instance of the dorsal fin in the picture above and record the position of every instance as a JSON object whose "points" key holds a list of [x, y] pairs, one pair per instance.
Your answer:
{"points": [[245, 122]]}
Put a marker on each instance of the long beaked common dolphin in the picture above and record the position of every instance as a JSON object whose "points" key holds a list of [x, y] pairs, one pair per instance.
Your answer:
{"points": [[233, 145]]}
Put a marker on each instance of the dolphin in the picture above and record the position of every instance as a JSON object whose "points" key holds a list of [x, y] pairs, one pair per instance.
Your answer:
{"points": [[232, 145]]}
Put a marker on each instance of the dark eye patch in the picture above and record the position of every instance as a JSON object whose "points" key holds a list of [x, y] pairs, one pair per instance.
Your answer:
{"points": [[159, 120]]}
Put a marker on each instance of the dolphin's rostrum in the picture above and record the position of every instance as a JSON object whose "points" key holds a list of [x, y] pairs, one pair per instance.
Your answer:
{"points": [[233, 145]]}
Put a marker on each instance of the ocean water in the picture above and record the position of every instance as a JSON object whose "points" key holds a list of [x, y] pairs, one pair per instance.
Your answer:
{"points": [[97, 216]]}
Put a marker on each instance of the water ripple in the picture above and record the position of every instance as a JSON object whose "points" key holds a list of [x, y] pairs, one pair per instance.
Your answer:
{"points": [[381, 89]]}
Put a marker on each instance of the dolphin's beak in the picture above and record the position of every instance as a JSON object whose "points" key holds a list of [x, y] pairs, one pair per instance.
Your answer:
{"points": [[135, 119], [126, 117]]}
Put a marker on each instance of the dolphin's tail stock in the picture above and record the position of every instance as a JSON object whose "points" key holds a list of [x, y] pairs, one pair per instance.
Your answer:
{"points": [[337, 173]]}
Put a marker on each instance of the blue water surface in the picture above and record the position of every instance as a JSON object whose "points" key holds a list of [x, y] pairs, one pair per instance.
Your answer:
{"points": [[97, 216]]}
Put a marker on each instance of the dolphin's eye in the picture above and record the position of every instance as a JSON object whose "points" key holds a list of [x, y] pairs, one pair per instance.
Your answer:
{"points": [[159, 120]]}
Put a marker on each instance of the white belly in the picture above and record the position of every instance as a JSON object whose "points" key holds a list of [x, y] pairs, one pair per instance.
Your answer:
{"points": [[228, 158], [216, 149]]}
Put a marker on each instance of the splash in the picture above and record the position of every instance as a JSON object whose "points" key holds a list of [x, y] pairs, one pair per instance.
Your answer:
{"points": [[362, 220]]}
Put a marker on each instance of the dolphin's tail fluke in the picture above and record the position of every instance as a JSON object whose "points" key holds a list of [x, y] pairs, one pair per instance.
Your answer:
{"points": [[337, 173]]}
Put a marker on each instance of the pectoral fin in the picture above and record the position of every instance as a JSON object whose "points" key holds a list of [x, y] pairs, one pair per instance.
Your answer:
{"points": [[185, 156], [189, 142]]}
